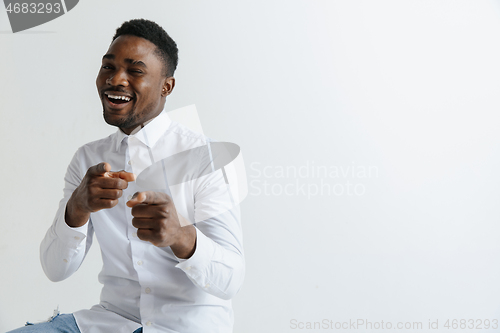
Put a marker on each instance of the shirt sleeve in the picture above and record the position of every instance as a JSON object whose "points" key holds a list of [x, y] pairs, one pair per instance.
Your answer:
{"points": [[217, 265], [63, 248]]}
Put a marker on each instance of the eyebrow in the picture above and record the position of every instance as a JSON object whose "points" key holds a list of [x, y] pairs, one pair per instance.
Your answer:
{"points": [[127, 60]]}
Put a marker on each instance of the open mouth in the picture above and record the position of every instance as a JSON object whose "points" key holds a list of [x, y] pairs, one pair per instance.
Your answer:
{"points": [[116, 100]]}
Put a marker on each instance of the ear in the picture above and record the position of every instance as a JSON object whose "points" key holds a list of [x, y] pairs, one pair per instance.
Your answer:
{"points": [[168, 86]]}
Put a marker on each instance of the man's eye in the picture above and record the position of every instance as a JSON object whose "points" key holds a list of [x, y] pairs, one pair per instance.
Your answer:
{"points": [[106, 67], [136, 71]]}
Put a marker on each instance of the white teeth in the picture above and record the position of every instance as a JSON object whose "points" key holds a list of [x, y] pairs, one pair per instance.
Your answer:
{"points": [[124, 98]]}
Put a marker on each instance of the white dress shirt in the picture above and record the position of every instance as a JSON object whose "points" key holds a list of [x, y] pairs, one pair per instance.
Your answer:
{"points": [[145, 285]]}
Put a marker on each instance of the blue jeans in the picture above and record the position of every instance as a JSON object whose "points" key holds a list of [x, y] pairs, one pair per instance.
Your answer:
{"points": [[64, 323]]}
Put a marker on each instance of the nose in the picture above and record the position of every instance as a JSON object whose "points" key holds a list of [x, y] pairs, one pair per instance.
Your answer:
{"points": [[117, 79]]}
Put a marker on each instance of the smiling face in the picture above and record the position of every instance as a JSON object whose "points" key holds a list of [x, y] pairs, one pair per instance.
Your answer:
{"points": [[131, 83]]}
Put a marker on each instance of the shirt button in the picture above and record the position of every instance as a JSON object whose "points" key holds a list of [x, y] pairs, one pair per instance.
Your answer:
{"points": [[207, 285], [129, 162], [65, 260], [139, 262], [77, 238], [129, 197], [149, 323], [134, 234], [148, 290], [188, 268]]}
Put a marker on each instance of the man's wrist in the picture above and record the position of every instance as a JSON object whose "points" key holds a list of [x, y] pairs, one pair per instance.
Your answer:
{"points": [[73, 216], [186, 245]]}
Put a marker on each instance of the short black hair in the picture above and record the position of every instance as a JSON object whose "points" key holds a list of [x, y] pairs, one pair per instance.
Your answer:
{"points": [[166, 48]]}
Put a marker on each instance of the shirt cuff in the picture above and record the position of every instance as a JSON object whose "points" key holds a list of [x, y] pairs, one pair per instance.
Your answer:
{"points": [[201, 258], [72, 236]]}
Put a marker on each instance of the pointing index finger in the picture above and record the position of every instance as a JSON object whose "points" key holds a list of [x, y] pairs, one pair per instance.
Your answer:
{"points": [[148, 197], [128, 176]]}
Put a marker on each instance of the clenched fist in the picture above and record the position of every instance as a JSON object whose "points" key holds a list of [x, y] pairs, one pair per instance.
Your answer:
{"points": [[157, 221], [99, 189]]}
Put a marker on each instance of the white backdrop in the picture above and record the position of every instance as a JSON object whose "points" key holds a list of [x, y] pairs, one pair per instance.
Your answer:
{"points": [[370, 132]]}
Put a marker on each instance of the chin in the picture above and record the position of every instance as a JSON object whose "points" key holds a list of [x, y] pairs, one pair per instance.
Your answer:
{"points": [[123, 122], [112, 119]]}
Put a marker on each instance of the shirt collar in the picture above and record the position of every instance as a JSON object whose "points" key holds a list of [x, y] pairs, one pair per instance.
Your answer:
{"points": [[150, 133]]}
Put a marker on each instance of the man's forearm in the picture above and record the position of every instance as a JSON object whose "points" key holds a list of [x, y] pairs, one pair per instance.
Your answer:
{"points": [[75, 217], [63, 248], [186, 246], [216, 270]]}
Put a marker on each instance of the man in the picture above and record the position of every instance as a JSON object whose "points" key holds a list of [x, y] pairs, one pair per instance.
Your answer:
{"points": [[166, 267]]}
